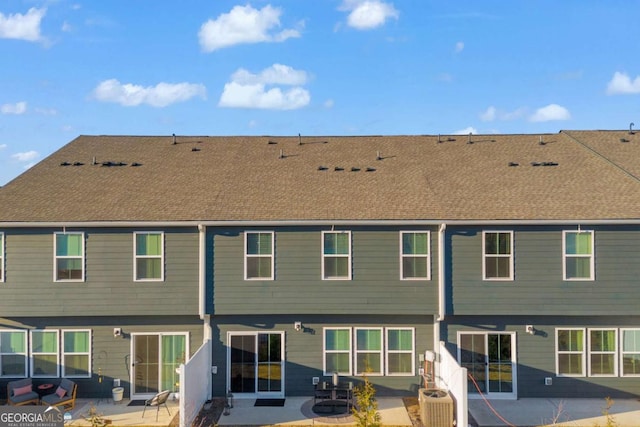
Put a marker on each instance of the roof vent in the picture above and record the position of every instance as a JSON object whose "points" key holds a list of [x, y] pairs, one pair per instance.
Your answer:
{"points": [[469, 141], [322, 168], [136, 164], [338, 169], [355, 169], [631, 125], [174, 139], [281, 156], [299, 139], [378, 156], [514, 164], [541, 142], [195, 149], [272, 142], [65, 164], [624, 140], [439, 141], [78, 163], [370, 169]]}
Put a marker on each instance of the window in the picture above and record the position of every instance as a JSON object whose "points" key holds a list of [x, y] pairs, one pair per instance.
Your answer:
{"points": [[44, 354], [630, 352], [336, 255], [570, 360], [497, 250], [13, 354], [578, 255], [368, 351], [414, 251], [602, 352], [149, 256], [400, 350], [1, 257], [69, 257], [258, 260], [76, 354], [337, 351]]}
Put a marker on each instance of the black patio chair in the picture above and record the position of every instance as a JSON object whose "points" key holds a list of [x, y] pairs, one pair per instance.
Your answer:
{"points": [[157, 400]]}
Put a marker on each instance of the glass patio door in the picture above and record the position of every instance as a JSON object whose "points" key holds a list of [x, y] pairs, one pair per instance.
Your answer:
{"points": [[490, 359], [154, 360], [256, 363]]}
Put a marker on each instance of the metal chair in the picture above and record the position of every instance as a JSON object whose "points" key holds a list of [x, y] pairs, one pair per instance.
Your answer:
{"points": [[322, 392], [157, 400]]}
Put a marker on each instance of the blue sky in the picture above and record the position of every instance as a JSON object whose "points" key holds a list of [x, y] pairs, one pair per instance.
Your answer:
{"points": [[314, 67]]}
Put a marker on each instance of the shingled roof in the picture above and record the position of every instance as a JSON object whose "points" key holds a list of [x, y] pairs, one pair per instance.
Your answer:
{"points": [[572, 176]]}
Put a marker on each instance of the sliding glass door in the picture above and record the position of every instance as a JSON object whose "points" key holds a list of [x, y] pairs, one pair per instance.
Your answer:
{"points": [[154, 360], [256, 365]]}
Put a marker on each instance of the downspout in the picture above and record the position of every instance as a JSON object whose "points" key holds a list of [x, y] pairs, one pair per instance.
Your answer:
{"points": [[441, 302], [202, 299]]}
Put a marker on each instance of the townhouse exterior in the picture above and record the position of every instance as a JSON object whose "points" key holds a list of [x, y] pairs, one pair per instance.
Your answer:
{"points": [[298, 257]]}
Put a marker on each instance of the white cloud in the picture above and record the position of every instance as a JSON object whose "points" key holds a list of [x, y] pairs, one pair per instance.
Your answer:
{"points": [[276, 74], [248, 90], [466, 131], [47, 111], [621, 84], [368, 14], [66, 27], [489, 115], [459, 47], [3, 146], [160, 95], [328, 103], [26, 156], [445, 77], [549, 113], [22, 27], [492, 113], [244, 24], [17, 108]]}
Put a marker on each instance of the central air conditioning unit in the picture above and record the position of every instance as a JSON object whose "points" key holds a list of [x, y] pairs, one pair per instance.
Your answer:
{"points": [[436, 407]]}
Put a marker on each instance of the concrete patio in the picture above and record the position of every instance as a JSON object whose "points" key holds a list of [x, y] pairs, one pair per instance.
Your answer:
{"points": [[120, 414]]}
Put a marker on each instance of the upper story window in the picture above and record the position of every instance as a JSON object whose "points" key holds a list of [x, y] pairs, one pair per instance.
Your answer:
{"points": [[1, 257], [69, 257], [336, 255], [578, 255], [13, 354], [149, 256], [258, 258], [414, 251], [497, 252], [44, 354]]}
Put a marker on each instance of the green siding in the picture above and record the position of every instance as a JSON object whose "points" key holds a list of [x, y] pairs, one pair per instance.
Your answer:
{"points": [[109, 288], [303, 350], [110, 355], [536, 353], [298, 288], [539, 288]]}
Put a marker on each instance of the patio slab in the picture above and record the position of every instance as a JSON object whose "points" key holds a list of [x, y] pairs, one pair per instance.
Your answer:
{"points": [[121, 414]]}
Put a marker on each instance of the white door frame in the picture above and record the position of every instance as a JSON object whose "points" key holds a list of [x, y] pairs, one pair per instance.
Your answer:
{"points": [[159, 335], [472, 393], [255, 334]]}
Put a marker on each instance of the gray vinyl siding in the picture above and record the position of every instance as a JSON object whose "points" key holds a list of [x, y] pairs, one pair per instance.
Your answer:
{"points": [[110, 356], [298, 287], [536, 357], [109, 288], [304, 349], [538, 287]]}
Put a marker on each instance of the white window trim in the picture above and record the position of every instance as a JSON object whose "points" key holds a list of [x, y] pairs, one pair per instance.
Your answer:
{"points": [[32, 353], [56, 257], [485, 256], [247, 256], [136, 256], [63, 353], [622, 352], [358, 371], [565, 256], [614, 352], [25, 353], [325, 351], [348, 256], [403, 255], [583, 353], [2, 256], [412, 352]]}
